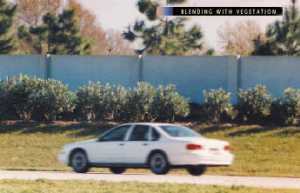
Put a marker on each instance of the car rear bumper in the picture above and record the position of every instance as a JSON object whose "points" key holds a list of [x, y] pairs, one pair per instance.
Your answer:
{"points": [[224, 159]]}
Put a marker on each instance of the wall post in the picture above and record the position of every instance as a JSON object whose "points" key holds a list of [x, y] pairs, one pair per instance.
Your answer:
{"points": [[233, 77], [48, 62]]}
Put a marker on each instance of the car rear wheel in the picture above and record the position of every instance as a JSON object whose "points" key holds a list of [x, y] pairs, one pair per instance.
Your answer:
{"points": [[196, 170], [79, 161], [117, 170], [158, 163]]}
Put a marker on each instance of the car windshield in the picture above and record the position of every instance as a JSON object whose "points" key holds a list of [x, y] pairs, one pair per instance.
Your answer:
{"points": [[179, 131]]}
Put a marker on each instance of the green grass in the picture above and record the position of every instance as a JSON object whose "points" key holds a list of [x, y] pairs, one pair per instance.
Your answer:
{"points": [[259, 151], [44, 186]]}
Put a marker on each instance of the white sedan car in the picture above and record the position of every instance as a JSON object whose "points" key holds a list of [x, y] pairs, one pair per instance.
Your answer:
{"points": [[157, 146]]}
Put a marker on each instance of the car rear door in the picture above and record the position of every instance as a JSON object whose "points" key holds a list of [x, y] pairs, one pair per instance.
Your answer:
{"points": [[138, 145]]}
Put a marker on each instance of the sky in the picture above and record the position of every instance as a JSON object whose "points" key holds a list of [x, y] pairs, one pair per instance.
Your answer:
{"points": [[118, 14]]}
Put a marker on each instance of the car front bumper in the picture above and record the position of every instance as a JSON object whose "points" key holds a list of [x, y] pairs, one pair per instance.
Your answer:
{"points": [[63, 157]]}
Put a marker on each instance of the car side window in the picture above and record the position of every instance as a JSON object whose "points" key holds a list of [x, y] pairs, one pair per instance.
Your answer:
{"points": [[117, 134], [140, 133], [155, 135]]}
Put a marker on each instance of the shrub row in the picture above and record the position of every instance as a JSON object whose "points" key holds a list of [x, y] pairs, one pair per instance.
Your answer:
{"points": [[37, 99], [28, 98], [253, 105]]}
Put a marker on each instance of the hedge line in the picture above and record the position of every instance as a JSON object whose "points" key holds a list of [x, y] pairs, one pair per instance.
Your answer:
{"points": [[254, 105], [28, 98]]}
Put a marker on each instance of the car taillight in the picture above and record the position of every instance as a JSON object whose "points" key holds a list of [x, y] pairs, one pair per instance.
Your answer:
{"points": [[194, 147], [227, 148]]}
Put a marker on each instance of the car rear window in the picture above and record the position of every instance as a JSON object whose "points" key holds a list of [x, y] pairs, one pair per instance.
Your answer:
{"points": [[155, 135], [179, 131], [140, 133]]}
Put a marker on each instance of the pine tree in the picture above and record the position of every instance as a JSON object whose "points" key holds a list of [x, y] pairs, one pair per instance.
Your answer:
{"points": [[282, 37], [58, 34], [7, 12], [163, 36]]}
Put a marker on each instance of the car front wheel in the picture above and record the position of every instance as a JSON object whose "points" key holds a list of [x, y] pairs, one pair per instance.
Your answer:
{"points": [[117, 170], [79, 162], [158, 163], [196, 170]]}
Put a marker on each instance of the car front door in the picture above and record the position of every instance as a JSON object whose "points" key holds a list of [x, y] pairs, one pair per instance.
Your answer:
{"points": [[138, 145], [110, 147]]}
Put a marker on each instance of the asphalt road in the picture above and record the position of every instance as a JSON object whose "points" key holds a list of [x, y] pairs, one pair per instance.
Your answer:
{"points": [[265, 182]]}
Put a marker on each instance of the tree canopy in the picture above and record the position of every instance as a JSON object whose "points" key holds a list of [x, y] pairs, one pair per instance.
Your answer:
{"points": [[282, 37], [163, 36], [58, 34], [7, 12], [31, 12], [237, 38]]}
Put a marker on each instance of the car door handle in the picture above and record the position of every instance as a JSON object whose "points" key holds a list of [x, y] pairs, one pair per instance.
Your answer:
{"points": [[145, 144], [121, 144]]}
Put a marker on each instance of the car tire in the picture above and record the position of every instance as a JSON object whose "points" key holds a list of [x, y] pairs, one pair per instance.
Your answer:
{"points": [[158, 163], [117, 170], [197, 170], [79, 161]]}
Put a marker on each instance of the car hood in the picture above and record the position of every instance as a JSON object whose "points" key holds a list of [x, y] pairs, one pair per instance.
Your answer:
{"points": [[71, 145]]}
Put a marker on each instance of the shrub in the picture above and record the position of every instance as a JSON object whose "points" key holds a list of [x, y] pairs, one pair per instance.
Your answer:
{"points": [[254, 104], [168, 104], [217, 105], [117, 103], [90, 103], [17, 92], [50, 99], [286, 108], [96, 101], [6, 103], [140, 102], [34, 99]]}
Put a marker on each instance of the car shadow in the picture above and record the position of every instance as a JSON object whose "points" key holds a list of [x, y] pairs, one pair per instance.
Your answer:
{"points": [[126, 174]]}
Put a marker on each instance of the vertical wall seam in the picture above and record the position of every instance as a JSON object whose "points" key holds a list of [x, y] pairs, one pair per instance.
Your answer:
{"points": [[43, 66], [233, 77], [228, 68], [239, 73]]}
